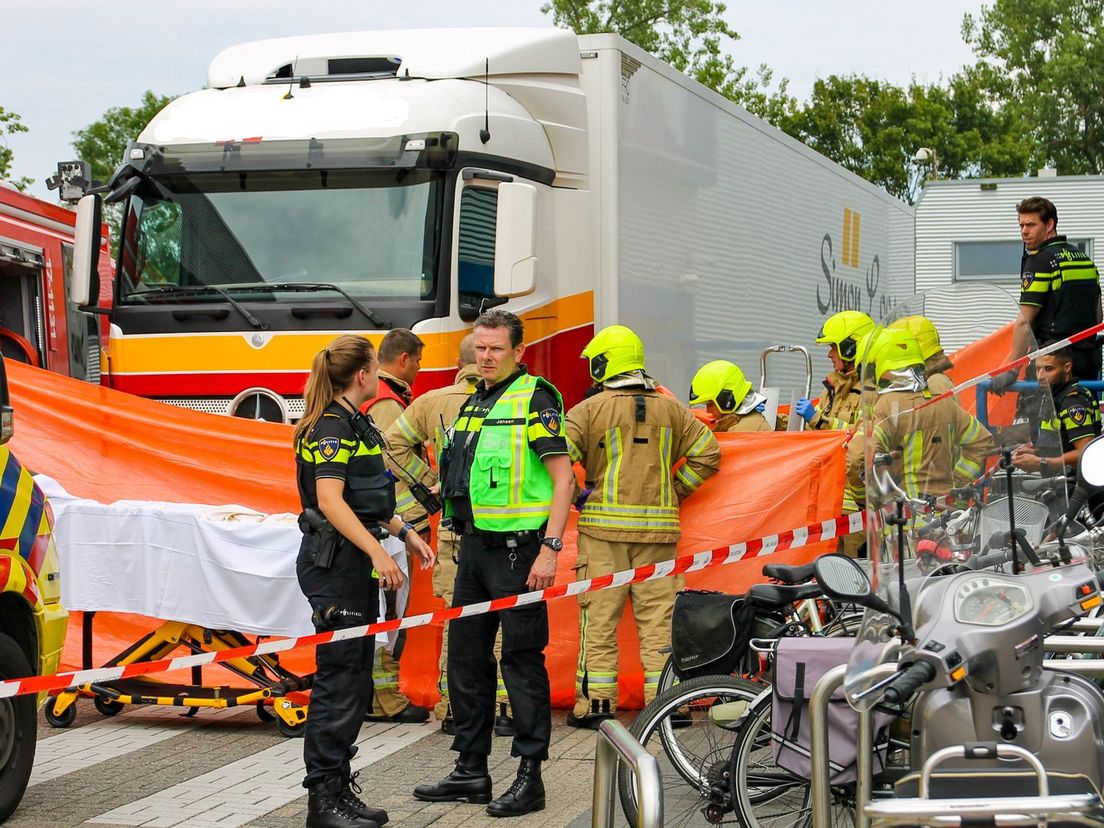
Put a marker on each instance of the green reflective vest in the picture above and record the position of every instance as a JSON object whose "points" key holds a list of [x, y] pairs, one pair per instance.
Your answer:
{"points": [[509, 487]]}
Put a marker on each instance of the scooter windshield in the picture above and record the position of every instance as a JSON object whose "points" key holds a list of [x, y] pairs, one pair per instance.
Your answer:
{"points": [[957, 463]]}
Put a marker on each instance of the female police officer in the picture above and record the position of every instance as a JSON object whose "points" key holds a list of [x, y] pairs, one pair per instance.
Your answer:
{"points": [[347, 498]]}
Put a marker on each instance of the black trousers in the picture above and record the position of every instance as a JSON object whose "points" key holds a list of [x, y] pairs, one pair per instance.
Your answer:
{"points": [[495, 565], [348, 596]]}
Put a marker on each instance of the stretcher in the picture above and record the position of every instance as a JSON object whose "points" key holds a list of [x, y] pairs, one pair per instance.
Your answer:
{"points": [[772, 393], [226, 575], [277, 694]]}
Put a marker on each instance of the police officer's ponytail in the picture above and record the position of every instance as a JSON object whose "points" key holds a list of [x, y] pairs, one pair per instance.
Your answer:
{"points": [[332, 371]]}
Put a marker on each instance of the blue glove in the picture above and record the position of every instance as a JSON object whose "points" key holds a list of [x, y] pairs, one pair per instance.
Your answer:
{"points": [[581, 500], [805, 409], [761, 407]]}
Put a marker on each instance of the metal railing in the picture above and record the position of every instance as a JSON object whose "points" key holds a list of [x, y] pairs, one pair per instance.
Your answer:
{"points": [[982, 392], [615, 741]]}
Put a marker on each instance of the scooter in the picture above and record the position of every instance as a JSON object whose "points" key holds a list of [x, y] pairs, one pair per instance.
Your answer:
{"points": [[996, 738]]}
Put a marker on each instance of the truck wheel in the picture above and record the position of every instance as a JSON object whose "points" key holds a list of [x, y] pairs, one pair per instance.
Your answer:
{"points": [[18, 730]]}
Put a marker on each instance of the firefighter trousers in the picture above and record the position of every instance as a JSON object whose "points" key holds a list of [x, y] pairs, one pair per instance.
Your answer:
{"points": [[444, 580], [496, 565], [600, 613], [387, 699], [345, 595]]}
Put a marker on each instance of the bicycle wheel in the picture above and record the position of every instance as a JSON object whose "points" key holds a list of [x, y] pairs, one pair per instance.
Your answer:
{"points": [[765, 795], [693, 753]]}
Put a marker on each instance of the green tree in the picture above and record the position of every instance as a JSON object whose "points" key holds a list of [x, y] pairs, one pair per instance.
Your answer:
{"points": [[1045, 58], [10, 124], [689, 35], [874, 128], [103, 142]]}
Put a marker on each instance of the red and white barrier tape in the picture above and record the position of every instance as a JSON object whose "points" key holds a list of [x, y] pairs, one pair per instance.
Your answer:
{"points": [[791, 539]]}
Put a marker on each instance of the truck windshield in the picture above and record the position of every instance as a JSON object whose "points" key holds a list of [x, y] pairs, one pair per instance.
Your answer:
{"points": [[374, 234]]}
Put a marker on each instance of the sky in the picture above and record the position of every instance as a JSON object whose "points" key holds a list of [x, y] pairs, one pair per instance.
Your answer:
{"points": [[68, 61]]}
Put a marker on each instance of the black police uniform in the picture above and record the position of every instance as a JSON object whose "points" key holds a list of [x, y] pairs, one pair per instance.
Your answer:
{"points": [[496, 565], [1076, 416], [1064, 284], [345, 595]]}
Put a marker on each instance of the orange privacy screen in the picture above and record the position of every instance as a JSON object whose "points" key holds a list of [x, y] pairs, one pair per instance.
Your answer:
{"points": [[107, 446]]}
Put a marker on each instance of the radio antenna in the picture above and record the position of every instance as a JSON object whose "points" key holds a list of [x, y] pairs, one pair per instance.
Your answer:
{"points": [[485, 133]]}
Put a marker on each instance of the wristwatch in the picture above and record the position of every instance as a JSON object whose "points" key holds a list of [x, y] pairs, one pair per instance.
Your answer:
{"points": [[406, 530], [555, 544]]}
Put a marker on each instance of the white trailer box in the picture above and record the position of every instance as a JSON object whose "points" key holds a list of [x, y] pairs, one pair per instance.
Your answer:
{"points": [[577, 181]]}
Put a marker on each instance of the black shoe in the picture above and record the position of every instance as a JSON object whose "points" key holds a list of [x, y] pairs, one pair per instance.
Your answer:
{"points": [[448, 725], [504, 725], [352, 802], [411, 714], [524, 796], [326, 810], [599, 712], [469, 781]]}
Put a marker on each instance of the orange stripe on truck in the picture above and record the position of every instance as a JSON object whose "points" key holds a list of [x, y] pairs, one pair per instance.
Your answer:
{"points": [[293, 350]]}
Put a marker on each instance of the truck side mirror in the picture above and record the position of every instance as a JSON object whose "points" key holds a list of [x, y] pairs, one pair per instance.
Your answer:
{"points": [[515, 263], [85, 286]]}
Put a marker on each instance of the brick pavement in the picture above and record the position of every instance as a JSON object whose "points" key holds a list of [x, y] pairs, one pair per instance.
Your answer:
{"points": [[152, 767]]}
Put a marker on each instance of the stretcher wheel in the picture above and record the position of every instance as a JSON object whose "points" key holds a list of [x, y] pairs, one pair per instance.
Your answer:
{"points": [[106, 706], [63, 719], [263, 713], [292, 731]]}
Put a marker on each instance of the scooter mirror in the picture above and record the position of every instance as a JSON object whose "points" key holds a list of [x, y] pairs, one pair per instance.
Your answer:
{"points": [[1090, 468], [842, 579]]}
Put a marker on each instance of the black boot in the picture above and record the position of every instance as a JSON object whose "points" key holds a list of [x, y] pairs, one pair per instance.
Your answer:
{"points": [[468, 781], [351, 800], [599, 712], [524, 796], [325, 809], [504, 725]]}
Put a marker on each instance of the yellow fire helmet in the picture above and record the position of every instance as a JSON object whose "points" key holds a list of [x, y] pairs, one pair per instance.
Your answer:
{"points": [[843, 330], [865, 353], [922, 328], [720, 382], [613, 350], [897, 349]]}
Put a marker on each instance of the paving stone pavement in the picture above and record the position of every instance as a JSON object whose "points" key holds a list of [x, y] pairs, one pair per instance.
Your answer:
{"points": [[153, 767]]}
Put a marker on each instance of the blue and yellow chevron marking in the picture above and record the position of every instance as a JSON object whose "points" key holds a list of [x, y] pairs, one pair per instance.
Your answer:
{"points": [[22, 504]]}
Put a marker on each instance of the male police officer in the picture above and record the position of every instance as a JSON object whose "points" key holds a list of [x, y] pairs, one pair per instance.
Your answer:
{"points": [[1075, 422], [507, 485], [1059, 292], [425, 421], [629, 439]]}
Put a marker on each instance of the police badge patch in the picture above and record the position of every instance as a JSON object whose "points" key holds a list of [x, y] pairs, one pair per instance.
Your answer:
{"points": [[1078, 414], [1026, 280], [550, 418], [328, 447]]}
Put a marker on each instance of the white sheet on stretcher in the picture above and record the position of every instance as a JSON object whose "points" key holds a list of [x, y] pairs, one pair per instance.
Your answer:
{"points": [[224, 567]]}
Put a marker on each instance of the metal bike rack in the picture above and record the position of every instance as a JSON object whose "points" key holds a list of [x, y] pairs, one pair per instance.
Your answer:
{"points": [[615, 741]]}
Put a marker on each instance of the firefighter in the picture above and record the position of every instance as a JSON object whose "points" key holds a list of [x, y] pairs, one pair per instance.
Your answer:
{"points": [[839, 407], [728, 397], [935, 445], [400, 358], [424, 421], [345, 493], [936, 363], [628, 439], [1076, 419], [507, 485]]}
